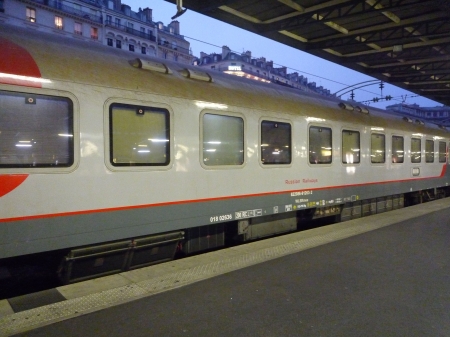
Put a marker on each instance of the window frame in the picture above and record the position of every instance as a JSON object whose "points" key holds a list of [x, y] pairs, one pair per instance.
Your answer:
{"points": [[442, 159], [350, 129], [392, 148], [420, 151], [75, 129], [30, 14], [78, 25], [427, 156], [201, 137], [371, 148], [107, 141], [273, 120], [323, 126], [59, 22]]}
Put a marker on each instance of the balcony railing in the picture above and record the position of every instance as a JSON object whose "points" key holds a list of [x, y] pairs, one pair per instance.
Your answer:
{"points": [[168, 45], [69, 10], [131, 31]]}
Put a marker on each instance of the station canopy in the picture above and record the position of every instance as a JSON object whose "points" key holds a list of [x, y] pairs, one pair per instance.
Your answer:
{"points": [[402, 42]]}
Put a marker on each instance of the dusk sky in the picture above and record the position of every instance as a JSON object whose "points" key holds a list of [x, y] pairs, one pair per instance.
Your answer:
{"points": [[197, 27]]}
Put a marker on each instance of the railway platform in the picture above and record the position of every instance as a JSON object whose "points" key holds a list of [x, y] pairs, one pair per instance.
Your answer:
{"points": [[383, 275]]}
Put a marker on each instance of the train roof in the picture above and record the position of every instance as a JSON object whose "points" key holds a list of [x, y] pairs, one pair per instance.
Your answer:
{"points": [[68, 59]]}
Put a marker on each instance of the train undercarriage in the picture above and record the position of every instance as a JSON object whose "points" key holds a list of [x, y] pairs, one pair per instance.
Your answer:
{"points": [[65, 267]]}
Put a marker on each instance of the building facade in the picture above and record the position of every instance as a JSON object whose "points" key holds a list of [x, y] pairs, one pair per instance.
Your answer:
{"points": [[108, 22], [437, 115], [260, 69]]}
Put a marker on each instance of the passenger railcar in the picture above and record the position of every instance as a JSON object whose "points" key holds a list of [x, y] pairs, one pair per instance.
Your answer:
{"points": [[116, 160]]}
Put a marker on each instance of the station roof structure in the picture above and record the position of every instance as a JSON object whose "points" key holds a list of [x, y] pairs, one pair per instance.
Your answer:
{"points": [[402, 42]]}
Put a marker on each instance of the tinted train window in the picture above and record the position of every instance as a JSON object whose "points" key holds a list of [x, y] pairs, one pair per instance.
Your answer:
{"points": [[416, 150], [442, 152], [320, 145], [35, 130], [398, 149], [429, 151], [139, 136], [378, 148], [275, 142], [350, 147], [223, 140]]}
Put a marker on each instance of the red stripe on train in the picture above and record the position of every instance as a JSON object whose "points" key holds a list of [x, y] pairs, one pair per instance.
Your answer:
{"points": [[180, 202], [15, 60]]}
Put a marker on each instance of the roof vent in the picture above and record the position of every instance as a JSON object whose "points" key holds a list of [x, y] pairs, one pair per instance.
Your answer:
{"points": [[346, 106], [407, 119], [150, 65], [362, 109], [196, 75]]}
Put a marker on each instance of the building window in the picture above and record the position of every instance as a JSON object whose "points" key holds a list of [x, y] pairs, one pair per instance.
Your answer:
{"points": [[378, 148], [31, 14], [2, 6], [275, 143], [139, 136], [398, 149], [109, 42], [108, 19], [58, 22], [416, 150], [118, 44], [223, 140], [78, 28], [94, 33], [143, 50], [320, 145], [350, 147], [117, 22], [37, 131], [131, 47]]}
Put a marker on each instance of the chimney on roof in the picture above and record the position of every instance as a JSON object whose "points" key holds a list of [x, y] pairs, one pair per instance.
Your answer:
{"points": [[126, 9], [175, 26], [148, 13], [118, 5], [225, 52]]}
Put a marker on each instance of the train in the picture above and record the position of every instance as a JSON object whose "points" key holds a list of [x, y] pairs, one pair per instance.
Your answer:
{"points": [[118, 160]]}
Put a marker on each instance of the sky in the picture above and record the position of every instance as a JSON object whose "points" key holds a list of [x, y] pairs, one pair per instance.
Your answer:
{"points": [[209, 35]]}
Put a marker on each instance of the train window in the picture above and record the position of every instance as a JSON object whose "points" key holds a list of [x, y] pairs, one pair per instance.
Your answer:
{"points": [[416, 150], [350, 147], [35, 131], [398, 149], [320, 145], [223, 140], [275, 142], [429, 151], [378, 148], [442, 152], [139, 136]]}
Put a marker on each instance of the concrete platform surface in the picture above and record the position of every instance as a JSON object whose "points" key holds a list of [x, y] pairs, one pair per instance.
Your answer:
{"points": [[384, 275]]}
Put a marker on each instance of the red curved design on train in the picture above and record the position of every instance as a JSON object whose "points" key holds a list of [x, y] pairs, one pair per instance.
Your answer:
{"points": [[16, 60], [9, 182]]}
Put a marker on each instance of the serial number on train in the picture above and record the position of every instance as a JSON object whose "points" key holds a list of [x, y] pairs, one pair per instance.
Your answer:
{"points": [[224, 217], [296, 194]]}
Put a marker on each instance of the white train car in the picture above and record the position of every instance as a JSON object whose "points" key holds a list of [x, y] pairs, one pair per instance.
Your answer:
{"points": [[118, 159]]}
